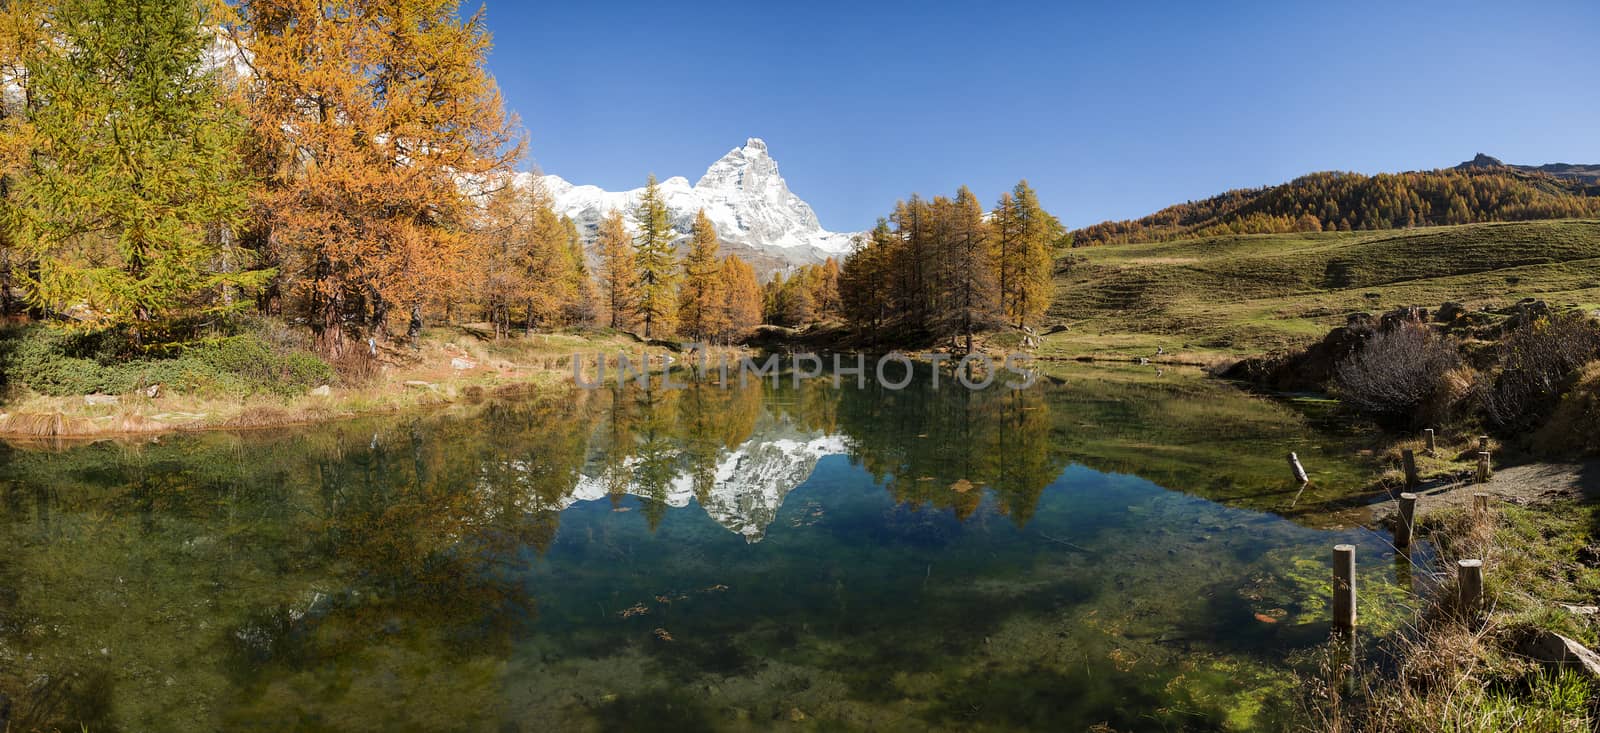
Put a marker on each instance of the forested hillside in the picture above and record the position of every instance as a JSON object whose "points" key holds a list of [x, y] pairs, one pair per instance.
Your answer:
{"points": [[1351, 201]]}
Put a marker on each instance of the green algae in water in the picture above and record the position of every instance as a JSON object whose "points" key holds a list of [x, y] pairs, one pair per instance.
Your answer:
{"points": [[1108, 548]]}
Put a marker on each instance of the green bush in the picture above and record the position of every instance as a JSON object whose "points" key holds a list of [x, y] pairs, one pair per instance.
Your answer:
{"points": [[53, 362]]}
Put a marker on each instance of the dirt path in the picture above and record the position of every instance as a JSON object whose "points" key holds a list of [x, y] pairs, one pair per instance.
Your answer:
{"points": [[1525, 484]]}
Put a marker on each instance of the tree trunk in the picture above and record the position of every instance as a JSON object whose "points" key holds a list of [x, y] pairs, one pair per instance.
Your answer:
{"points": [[414, 328]]}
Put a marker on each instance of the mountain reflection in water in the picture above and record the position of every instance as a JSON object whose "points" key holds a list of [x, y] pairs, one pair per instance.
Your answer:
{"points": [[868, 558]]}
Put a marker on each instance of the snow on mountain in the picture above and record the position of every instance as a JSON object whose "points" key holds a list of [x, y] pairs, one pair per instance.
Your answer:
{"points": [[756, 215], [751, 480]]}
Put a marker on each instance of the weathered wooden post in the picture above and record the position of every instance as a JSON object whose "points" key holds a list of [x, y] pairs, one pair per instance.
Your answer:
{"points": [[1344, 587], [1483, 467], [1470, 581], [1408, 459], [1405, 523], [1433, 450], [1483, 443], [1299, 470], [1480, 505]]}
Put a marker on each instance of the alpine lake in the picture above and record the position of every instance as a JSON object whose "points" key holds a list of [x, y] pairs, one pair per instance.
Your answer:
{"points": [[1113, 548]]}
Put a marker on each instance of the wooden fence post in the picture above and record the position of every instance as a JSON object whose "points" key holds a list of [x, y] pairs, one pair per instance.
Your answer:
{"points": [[1408, 459], [1344, 587], [1432, 449], [1480, 504], [1299, 470], [1483, 467], [1406, 522], [1470, 580]]}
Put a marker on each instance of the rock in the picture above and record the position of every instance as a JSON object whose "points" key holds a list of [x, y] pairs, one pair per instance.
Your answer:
{"points": [[1449, 312], [462, 363], [101, 399], [1554, 649], [1580, 610], [322, 391], [418, 384], [1403, 314], [1058, 328], [153, 391]]}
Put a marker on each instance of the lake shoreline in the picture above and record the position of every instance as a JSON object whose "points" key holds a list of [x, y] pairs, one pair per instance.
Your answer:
{"points": [[446, 367]]}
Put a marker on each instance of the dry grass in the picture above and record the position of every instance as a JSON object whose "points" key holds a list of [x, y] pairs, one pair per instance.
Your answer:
{"points": [[1455, 670]]}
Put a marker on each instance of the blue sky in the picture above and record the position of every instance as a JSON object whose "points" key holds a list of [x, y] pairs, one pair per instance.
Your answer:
{"points": [[1111, 110]]}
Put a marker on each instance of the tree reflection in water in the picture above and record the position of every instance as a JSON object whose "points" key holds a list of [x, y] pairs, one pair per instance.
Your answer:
{"points": [[387, 573]]}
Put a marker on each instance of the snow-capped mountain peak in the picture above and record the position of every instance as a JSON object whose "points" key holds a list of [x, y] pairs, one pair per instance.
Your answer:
{"points": [[755, 213]]}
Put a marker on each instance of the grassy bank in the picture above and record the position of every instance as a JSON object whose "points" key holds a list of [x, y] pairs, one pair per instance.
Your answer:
{"points": [[60, 387], [1227, 297], [1463, 671]]}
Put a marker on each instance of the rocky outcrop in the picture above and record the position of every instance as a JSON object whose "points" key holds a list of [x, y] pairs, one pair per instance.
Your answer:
{"points": [[1309, 368]]}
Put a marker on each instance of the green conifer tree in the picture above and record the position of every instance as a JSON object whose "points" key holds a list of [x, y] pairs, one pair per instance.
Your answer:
{"points": [[136, 182], [657, 266]]}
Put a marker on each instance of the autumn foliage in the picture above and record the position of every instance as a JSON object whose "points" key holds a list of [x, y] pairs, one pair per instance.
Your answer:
{"points": [[366, 114], [1349, 201], [344, 164], [943, 270]]}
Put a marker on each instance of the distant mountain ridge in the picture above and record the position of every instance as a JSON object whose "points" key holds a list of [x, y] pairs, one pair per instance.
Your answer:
{"points": [[1480, 190], [1585, 172]]}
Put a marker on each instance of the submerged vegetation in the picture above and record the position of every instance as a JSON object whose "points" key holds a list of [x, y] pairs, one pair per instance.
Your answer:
{"points": [[587, 559]]}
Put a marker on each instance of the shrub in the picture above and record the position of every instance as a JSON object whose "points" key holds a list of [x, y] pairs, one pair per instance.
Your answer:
{"points": [[53, 362], [251, 359], [1537, 361], [1406, 373], [1574, 426]]}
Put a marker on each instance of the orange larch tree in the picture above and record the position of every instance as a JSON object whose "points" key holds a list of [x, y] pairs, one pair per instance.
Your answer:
{"points": [[743, 295], [369, 116], [701, 299], [619, 276]]}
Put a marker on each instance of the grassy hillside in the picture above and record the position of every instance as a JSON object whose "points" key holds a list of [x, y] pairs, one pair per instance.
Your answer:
{"points": [[1245, 294]]}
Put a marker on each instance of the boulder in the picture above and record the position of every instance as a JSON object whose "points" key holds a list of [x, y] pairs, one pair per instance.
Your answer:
{"points": [[153, 391], [1548, 647], [462, 363], [101, 399], [1360, 319], [1449, 312], [322, 391]]}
